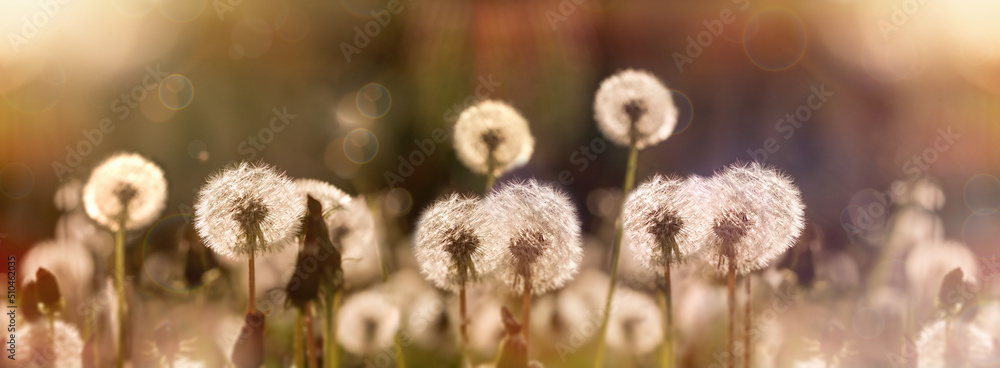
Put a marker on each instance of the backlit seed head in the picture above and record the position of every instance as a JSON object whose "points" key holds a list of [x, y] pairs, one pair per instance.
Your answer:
{"points": [[330, 197], [449, 245], [632, 106], [662, 221], [125, 184], [954, 344], [367, 323], [248, 209], [493, 135], [535, 234], [755, 214], [38, 346]]}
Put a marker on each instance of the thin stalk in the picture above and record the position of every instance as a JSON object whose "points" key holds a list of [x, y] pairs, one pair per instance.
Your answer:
{"points": [[526, 312], [300, 360], [732, 314], [463, 314], [633, 158], [400, 360], [310, 339], [331, 350], [666, 301], [747, 348], [491, 178], [252, 300], [120, 288]]}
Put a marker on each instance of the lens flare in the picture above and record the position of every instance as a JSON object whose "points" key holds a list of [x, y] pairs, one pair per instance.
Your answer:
{"points": [[685, 111], [980, 232], [775, 39], [399, 201], [360, 145], [373, 100], [176, 91], [982, 194]]}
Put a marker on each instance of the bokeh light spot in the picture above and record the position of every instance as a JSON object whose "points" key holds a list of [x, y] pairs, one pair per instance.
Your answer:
{"points": [[982, 194], [685, 111], [399, 201], [775, 39], [198, 150], [980, 232], [16, 180], [360, 145], [176, 91], [373, 100]]}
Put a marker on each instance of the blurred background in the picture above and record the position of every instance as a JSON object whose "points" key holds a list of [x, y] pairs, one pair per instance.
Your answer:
{"points": [[846, 96]]}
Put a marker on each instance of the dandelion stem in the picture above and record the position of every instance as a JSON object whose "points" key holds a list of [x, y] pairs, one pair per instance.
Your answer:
{"points": [[120, 287], [331, 352], [747, 348], [400, 360], [310, 339], [464, 323], [666, 300], [490, 179], [252, 299], [732, 313], [633, 158], [526, 312], [300, 360]]}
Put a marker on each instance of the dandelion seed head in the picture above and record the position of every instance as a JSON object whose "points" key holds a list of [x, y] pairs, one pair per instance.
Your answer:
{"points": [[635, 323], [493, 134], [929, 261], [125, 183], [633, 106], [248, 208], [367, 323], [68, 261], [39, 346], [449, 245], [945, 345], [661, 221], [330, 197], [756, 214], [536, 236]]}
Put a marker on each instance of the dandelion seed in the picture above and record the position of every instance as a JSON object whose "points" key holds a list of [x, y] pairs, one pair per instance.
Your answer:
{"points": [[248, 209], [633, 107], [662, 221], [944, 344], [635, 324], [492, 136], [38, 346], [449, 244], [125, 184], [756, 215], [367, 323], [536, 235]]}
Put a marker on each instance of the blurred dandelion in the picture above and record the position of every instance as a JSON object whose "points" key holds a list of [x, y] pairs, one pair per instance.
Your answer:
{"points": [[947, 344], [492, 138], [449, 247], [535, 235], [632, 109], [368, 323], [635, 326], [40, 346], [125, 191], [926, 266], [68, 261]]}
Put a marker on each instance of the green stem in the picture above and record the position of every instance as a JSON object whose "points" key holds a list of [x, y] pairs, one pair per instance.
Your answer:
{"points": [[120, 289], [666, 301], [400, 358], [490, 180], [310, 338], [331, 320], [633, 158]]}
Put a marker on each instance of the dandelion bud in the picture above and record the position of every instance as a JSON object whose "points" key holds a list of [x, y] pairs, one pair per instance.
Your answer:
{"points": [[492, 136], [449, 244], [756, 214], [125, 188], [633, 107], [536, 236], [367, 323], [248, 209], [661, 221], [47, 290]]}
